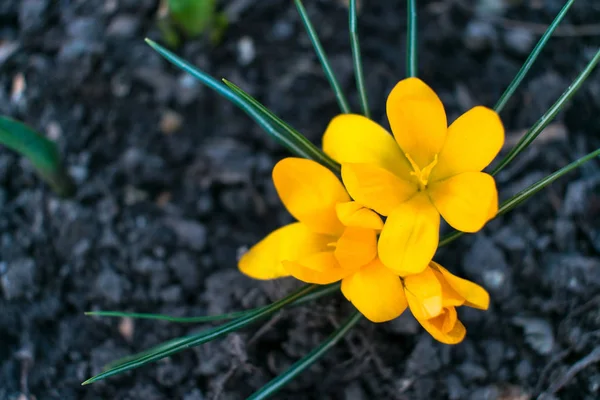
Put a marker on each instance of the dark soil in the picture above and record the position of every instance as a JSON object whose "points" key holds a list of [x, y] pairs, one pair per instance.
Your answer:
{"points": [[161, 211]]}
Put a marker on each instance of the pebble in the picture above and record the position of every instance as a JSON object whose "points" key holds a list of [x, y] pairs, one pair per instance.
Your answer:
{"points": [[519, 40], [18, 281], [479, 35], [405, 324], [472, 372], [186, 270], [456, 390], [195, 394], [485, 262], [191, 233], [123, 27], [110, 286], [538, 334], [246, 50]]}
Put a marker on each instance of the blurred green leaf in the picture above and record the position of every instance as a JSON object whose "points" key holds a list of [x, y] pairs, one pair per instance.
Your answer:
{"points": [[42, 153], [194, 17], [176, 345]]}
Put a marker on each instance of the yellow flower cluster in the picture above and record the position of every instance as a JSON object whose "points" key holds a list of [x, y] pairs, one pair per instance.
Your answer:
{"points": [[425, 170]]}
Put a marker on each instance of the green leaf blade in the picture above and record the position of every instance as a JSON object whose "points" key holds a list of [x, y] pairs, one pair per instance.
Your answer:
{"points": [[525, 194], [322, 290], [549, 115], [411, 39], [180, 344], [304, 363], [41, 151], [312, 34], [296, 144], [312, 152], [510, 90], [357, 60]]}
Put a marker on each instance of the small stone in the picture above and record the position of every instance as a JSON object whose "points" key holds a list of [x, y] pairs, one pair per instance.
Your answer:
{"points": [[578, 193], [186, 270], [405, 324], [485, 262], [170, 122], [246, 50], [32, 14], [564, 234], [110, 286], [171, 294], [494, 351], [18, 280], [424, 358], [519, 40], [354, 392], [472, 372], [191, 233], [170, 374], [456, 391], [195, 394], [538, 334], [123, 27], [485, 393], [524, 370], [479, 35], [126, 328]]}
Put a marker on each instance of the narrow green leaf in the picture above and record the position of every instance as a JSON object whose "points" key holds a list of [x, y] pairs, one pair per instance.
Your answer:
{"points": [[321, 291], [510, 90], [169, 318], [193, 16], [42, 153], [549, 115], [289, 142], [411, 38], [312, 151], [358, 69], [304, 363], [175, 345], [523, 195], [341, 99]]}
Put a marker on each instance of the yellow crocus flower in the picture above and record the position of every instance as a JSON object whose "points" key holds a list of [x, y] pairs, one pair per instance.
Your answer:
{"points": [[334, 239], [433, 296], [428, 170]]}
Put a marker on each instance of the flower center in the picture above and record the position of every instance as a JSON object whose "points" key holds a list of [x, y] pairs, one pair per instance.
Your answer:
{"points": [[422, 175]]}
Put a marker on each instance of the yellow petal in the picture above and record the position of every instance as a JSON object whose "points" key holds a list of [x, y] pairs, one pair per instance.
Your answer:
{"points": [[474, 295], [473, 141], [465, 200], [410, 236], [437, 327], [310, 192], [424, 294], [376, 292], [352, 138], [375, 187], [493, 210], [354, 214], [320, 268], [291, 242], [417, 119], [356, 247]]}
